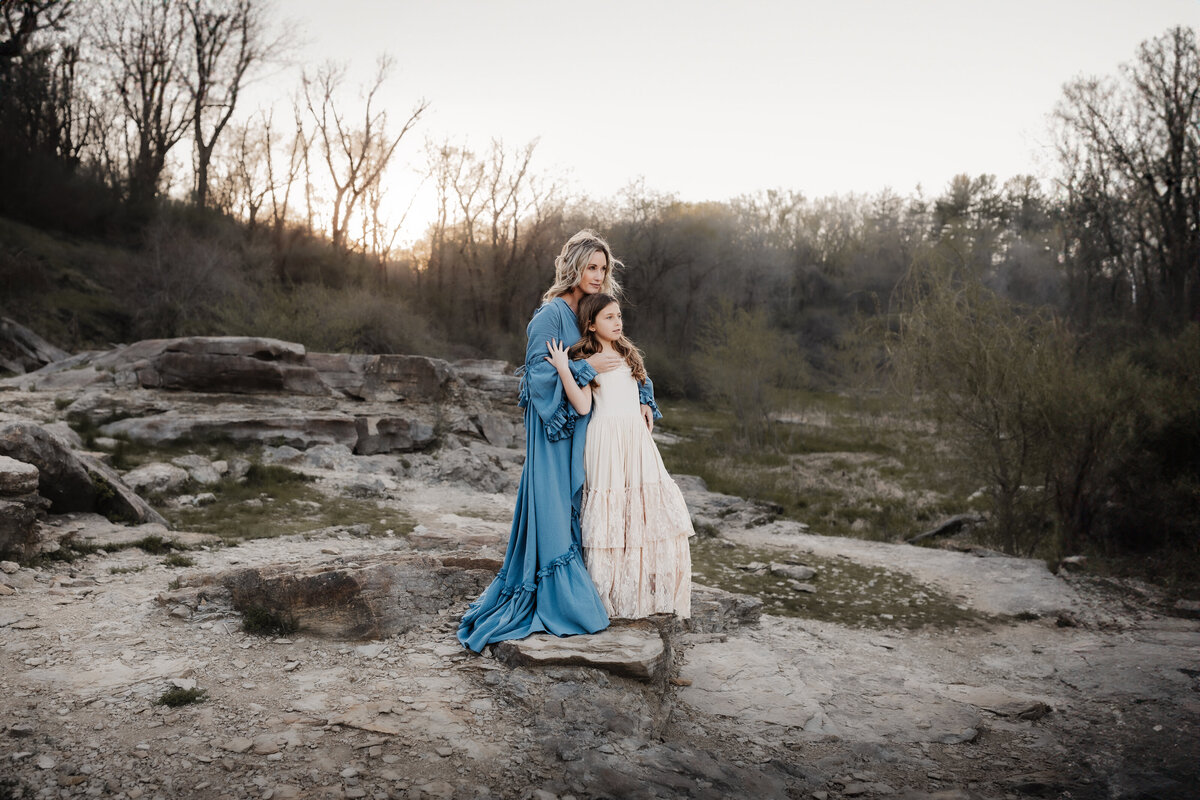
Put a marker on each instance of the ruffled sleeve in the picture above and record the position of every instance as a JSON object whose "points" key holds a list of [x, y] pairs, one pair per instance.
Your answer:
{"points": [[646, 397], [583, 371], [541, 387]]}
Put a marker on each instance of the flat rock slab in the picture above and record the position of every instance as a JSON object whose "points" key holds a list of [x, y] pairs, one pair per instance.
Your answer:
{"points": [[787, 673], [635, 650], [296, 428], [95, 529]]}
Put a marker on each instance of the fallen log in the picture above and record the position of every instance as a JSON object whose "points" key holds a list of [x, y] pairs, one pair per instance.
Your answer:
{"points": [[948, 528]]}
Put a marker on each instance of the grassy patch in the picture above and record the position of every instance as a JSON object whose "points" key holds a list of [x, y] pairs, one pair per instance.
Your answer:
{"points": [[872, 471], [67, 552], [126, 570], [177, 560], [156, 545], [264, 622], [174, 698], [846, 593], [274, 501]]}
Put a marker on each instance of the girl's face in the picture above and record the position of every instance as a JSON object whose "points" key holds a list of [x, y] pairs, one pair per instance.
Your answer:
{"points": [[592, 280], [607, 324]]}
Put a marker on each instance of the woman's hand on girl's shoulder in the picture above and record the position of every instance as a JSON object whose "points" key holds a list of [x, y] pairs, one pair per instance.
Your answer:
{"points": [[605, 362]]}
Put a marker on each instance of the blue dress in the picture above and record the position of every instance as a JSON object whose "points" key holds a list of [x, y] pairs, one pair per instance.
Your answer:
{"points": [[544, 585]]}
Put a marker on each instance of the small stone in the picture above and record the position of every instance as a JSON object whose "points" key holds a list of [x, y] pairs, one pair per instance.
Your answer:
{"points": [[20, 730], [349, 772], [855, 789], [9, 567], [330, 551], [440, 790], [187, 684], [286, 791], [290, 666], [134, 793], [45, 762], [238, 744], [265, 745], [6, 590], [820, 795], [26, 625], [444, 751], [355, 792]]}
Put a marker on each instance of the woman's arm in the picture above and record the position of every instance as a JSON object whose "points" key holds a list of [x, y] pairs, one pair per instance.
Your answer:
{"points": [[541, 387], [580, 397]]}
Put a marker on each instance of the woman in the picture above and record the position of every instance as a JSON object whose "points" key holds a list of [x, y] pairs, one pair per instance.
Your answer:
{"points": [[544, 585]]}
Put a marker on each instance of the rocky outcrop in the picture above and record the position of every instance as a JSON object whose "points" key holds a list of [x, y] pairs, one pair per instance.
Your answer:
{"points": [[385, 377], [156, 478], [296, 428], [388, 595], [391, 435], [17, 477], [20, 508], [494, 378], [62, 478], [22, 350], [70, 480], [716, 610], [237, 364]]}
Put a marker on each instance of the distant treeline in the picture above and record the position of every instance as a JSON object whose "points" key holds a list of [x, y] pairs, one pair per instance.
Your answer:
{"points": [[958, 295]]}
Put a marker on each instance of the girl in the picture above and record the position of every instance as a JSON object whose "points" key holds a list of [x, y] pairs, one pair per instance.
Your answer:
{"points": [[543, 585], [635, 523]]}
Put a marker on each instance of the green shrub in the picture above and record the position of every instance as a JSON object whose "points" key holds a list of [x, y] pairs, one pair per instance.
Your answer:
{"points": [[174, 698], [264, 622]]}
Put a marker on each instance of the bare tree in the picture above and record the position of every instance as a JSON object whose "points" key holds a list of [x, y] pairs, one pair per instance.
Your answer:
{"points": [[492, 216], [20, 20], [1129, 148], [281, 179], [242, 186], [41, 106], [355, 155], [229, 39], [144, 42]]}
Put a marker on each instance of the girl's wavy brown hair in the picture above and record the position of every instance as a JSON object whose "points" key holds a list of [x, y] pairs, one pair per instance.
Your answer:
{"points": [[589, 308]]}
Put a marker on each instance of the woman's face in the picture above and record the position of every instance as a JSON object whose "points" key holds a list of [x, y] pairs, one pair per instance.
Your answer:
{"points": [[592, 280], [608, 325]]}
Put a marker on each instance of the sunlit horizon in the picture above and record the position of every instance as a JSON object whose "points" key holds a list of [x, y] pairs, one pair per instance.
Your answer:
{"points": [[711, 101]]}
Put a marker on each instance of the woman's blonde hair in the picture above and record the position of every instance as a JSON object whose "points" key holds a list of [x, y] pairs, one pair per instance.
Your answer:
{"points": [[589, 308], [568, 266]]}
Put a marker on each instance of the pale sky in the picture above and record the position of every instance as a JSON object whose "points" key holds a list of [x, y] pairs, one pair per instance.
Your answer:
{"points": [[709, 100]]}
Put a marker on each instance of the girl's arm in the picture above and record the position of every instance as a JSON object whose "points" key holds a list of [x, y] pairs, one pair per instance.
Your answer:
{"points": [[580, 397]]}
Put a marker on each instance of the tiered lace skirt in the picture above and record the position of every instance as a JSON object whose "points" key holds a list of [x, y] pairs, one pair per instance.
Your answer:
{"points": [[635, 523]]}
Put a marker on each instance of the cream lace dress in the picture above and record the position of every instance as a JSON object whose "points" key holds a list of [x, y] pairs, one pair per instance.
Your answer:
{"points": [[635, 523]]}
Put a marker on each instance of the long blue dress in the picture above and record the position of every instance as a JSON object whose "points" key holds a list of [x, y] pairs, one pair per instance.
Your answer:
{"points": [[544, 585]]}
